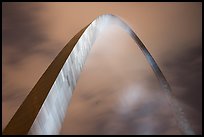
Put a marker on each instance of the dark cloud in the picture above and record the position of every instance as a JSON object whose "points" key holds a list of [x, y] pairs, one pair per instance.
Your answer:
{"points": [[19, 24], [102, 102], [185, 68], [187, 72], [22, 30]]}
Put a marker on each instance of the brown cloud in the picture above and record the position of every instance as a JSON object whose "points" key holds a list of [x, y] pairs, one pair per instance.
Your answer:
{"points": [[185, 69], [117, 92]]}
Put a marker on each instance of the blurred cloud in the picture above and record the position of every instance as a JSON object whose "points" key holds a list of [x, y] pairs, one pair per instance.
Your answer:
{"points": [[185, 69], [124, 101], [21, 31], [117, 92]]}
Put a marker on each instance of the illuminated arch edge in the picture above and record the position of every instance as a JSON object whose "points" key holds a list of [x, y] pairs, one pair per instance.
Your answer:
{"points": [[43, 110]]}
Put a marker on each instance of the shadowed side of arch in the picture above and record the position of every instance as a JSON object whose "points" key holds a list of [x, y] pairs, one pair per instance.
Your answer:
{"points": [[43, 110]]}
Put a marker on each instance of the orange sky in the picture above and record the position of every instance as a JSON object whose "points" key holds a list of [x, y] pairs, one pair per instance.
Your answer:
{"points": [[117, 92]]}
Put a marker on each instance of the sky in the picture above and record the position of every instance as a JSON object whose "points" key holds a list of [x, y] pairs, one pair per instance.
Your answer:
{"points": [[117, 92]]}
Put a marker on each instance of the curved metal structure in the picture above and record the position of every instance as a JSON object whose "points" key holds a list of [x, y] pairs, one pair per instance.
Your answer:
{"points": [[43, 110]]}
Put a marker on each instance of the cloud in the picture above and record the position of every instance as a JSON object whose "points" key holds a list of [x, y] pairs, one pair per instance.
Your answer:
{"points": [[123, 97], [185, 69], [23, 33], [34, 33]]}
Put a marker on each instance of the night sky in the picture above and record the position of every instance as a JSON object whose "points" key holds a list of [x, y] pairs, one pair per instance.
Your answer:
{"points": [[117, 92]]}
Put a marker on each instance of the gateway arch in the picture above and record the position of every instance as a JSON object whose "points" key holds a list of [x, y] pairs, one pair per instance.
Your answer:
{"points": [[43, 110]]}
